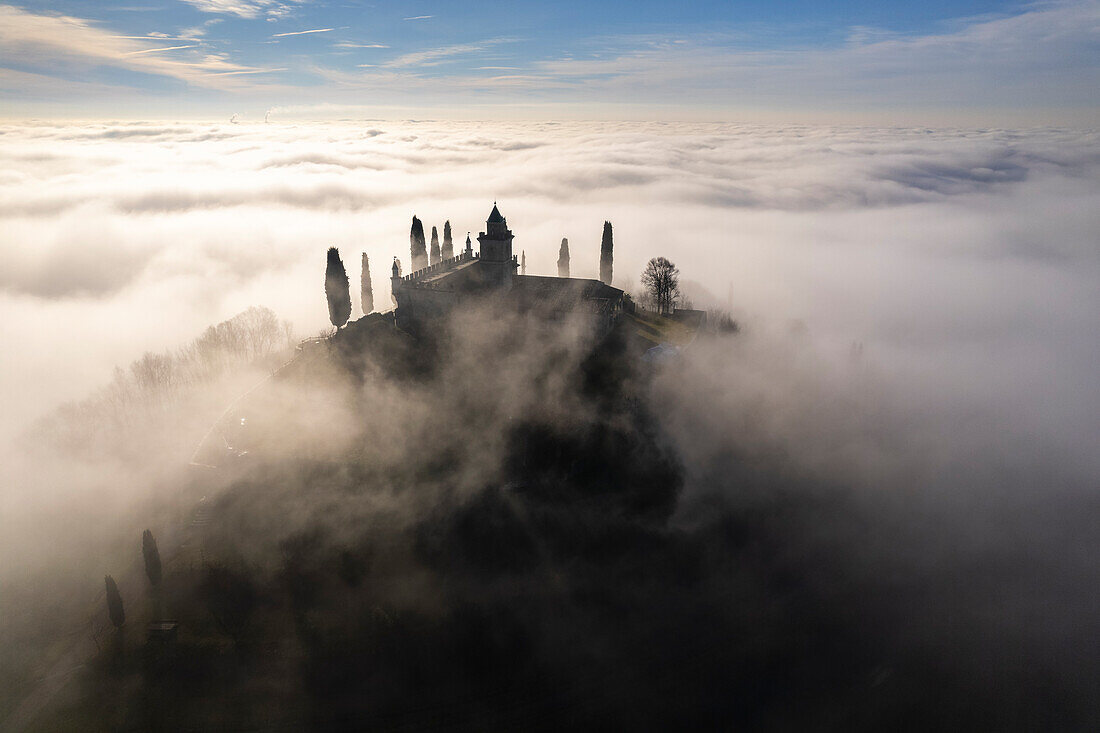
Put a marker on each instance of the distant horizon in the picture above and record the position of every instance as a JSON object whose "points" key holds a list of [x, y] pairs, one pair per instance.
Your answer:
{"points": [[1021, 122]]}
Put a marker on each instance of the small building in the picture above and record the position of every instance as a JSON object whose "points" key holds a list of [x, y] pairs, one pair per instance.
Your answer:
{"points": [[428, 295]]}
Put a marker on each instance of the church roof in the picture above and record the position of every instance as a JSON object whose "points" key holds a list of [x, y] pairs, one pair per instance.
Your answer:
{"points": [[559, 287], [494, 216]]}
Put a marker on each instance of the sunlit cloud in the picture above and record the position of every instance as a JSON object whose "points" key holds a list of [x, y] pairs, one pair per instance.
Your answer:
{"points": [[247, 71], [435, 56], [62, 41], [156, 50], [239, 8], [1037, 64], [302, 33]]}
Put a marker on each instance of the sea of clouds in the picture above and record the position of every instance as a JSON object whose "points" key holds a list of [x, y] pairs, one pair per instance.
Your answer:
{"points": [[919, 311], [963, 260]]}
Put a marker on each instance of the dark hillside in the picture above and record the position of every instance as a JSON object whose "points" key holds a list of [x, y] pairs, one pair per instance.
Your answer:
{"points": [[476, 535]]}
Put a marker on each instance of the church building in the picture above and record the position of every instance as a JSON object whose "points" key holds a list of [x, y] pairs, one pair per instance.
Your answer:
{"points": [[427, 295]]}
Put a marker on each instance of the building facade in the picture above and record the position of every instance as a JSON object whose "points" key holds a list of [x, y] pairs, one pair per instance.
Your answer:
{"points": [[426, 297]]}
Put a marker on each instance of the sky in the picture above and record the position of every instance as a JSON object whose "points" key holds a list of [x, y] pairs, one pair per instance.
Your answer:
{"points": [[960, 62]]}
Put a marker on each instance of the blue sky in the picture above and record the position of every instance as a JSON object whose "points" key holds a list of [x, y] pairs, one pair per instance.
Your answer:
{"points": [[964, 60]]}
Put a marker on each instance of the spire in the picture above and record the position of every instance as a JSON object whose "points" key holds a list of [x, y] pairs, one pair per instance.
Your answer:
{"points": [[495, 215], [469, 244]]}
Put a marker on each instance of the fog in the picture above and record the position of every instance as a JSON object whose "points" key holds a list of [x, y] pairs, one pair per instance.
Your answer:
{"points": [[915, 370]]}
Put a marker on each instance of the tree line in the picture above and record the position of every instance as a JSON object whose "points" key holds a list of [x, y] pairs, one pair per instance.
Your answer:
{"points": [[660, 278], [145, 400]]}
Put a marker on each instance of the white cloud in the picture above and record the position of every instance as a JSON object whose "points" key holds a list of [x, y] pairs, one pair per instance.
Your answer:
{"points": [[1038, 66], [302, 33], [1046, 55], [436, 56], [59, 41], [240, 8], [947, 253], [156, 50], [419, 17]]}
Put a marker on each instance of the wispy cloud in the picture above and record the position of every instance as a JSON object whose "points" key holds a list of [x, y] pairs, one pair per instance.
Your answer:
{"points": [[156, 50], [302, 33], [244, 8], [1044, 57], [55, 42], [240, 8], [154, 37], [245, 71], [347, 44], [419, 17], [435, 56], [198, 31]]}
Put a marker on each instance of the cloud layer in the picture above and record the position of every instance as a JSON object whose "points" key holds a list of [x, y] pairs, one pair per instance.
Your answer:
{"points": [[949, 251], [915, 372]]}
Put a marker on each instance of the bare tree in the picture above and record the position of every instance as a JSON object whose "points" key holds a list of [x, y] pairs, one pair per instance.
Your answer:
{"points": [[114, 603], [152, 557], [434, 258], [336, 289], [563, 258], [418, 250], [606, 254], [366, 291], [448, 243], [661, 279]]}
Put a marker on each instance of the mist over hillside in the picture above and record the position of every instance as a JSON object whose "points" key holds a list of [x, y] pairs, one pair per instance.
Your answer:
{"points": [[870, 508], [543, 531]]}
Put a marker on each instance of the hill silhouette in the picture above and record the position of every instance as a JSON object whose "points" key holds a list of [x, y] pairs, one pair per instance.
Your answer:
{"points": [[485, 530]]}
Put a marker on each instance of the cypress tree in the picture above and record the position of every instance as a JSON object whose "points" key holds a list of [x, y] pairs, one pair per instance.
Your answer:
{"points": [[606, 253], [337, 290], [435, 248], [152, 557], [396, 273], [448, 244], [418, 251], [366, 291], [114, 603], [563, 258]]}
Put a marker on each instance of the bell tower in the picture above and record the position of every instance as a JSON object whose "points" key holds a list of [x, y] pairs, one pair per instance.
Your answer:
{"points": [[497, 261]]}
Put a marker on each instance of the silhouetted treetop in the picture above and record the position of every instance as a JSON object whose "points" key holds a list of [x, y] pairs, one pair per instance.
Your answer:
{"points": [[366, 290], [661, 279], [448, 243], [606, 247], [435, 255], [152, 557], [337, 289], [418, 250], [114, 603]]}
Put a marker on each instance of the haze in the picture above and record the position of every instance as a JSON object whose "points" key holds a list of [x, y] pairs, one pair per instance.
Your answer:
{"points": [[897, 449]]}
